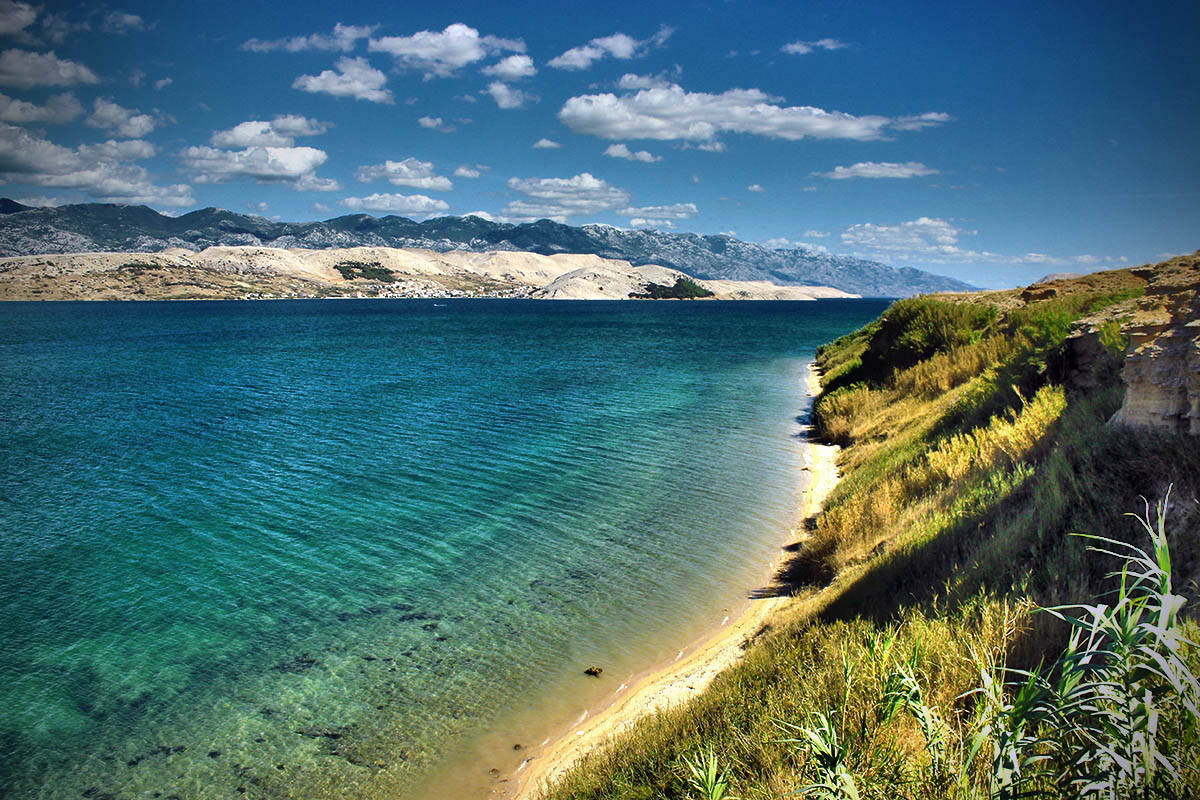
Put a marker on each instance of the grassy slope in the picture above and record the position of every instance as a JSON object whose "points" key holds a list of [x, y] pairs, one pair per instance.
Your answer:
{"points": [[973, 448]]}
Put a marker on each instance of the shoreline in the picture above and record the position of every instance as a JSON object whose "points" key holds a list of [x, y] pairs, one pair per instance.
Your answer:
{"points": [[690, 674]]}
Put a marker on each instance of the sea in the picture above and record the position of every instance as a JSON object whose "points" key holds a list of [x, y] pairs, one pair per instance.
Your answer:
{"points": [[343, 548]]}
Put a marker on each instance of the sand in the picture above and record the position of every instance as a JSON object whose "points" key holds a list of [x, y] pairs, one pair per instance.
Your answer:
{"points": [[681, 680]]}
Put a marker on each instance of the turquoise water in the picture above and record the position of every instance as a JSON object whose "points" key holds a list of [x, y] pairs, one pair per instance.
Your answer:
{"points": [[311, 549]]}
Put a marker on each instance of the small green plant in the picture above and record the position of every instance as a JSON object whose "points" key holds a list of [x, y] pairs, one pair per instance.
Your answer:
{"points": [[904, 694], [819, 740], [1092, 725], [707, 778]]}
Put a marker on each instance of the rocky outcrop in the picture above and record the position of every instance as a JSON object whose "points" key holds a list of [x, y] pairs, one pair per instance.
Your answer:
{"points": [[1162, 364]]}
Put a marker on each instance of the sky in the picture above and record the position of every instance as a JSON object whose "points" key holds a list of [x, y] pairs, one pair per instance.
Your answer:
{"points": [[994, 144]]}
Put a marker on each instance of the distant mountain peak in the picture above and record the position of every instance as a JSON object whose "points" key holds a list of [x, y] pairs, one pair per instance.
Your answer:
{"points": [[96, 227]]}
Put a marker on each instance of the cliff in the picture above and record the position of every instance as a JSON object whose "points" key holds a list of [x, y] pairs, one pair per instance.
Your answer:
{"points": [[1162, 364]]}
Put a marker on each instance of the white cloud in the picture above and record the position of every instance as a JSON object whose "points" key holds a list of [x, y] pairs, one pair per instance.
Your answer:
{"points": [[513, 68], [442, 54], [16, 17], [128, 123], [546, 144], [343, 38], [804, 48], [57, 28], [355, 77], [163, 83], [293, 165], [136, 77], [814, 234], [931, 240], [675, 211], [640, 222], [560, 198], [435, 124], [59, 109], [778, 243], [41, 201], [481, 214], [412, 204], [103, 171], [673, 113], [879, 169], [24, 69], [754, 187], [279, 132], [632, 81], [409, 172], [468, 171], [508, 97], [618, 45], [121, 22], [623, 151]]}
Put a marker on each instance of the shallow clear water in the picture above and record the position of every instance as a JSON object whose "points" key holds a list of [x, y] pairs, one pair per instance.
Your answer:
{"points": [[310, 549]]}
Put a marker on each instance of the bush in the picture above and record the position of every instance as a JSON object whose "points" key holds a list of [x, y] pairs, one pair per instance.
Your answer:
{"points": [[684, 289]]}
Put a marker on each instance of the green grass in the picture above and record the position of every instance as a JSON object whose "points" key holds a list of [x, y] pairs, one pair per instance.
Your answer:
{"points": [[896, 671]]}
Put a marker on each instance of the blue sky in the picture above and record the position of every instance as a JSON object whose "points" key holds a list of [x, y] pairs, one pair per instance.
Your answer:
{"points": [[991, 144]]}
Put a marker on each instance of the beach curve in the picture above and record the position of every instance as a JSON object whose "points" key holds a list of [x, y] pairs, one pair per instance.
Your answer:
{"points": [[686, 677]]}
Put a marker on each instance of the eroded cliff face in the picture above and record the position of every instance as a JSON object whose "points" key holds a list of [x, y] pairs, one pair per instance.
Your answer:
{"points": [[1162, 364]]}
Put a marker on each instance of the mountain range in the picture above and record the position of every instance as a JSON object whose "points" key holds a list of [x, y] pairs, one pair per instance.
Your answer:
{"points": [[105, 227]]}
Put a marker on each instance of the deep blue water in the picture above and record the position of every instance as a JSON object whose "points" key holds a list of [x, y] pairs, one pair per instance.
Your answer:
{"points": [[310, 548]]}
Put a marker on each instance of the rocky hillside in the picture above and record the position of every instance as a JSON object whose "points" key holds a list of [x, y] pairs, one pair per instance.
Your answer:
{"points": [[98, 227], [247, 272]]}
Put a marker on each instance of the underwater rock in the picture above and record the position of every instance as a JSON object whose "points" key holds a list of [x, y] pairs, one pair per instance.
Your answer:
{"points": [[593, 671]]}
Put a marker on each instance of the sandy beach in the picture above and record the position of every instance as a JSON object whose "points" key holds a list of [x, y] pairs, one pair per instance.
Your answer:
{"points": [[688, 675]]}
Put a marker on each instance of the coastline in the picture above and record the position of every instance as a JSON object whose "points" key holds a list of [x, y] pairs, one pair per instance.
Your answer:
{"points": [[665, 686]]}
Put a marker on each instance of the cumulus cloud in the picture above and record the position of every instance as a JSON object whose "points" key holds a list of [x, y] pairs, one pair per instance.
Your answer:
{"points": [[343, 38], [25, 69], [546, 144], [508, 97], [618, 45], [59, 109], [265, 164], [672, 113], [879, 169], [16, 17], [409, 172], [163, 83], [436, 124], [675, 211], [279, 132], [417, 205], [128, 123], [354, 77], [815, 234], [623, 151], [754, 187], [442, 54], [640, 222], [662, 80], [513, 68], [932, 240], [121, 22], [103, 171], [468, 171], [57, 27], [804, 48], [783, 243], [560, 198]]}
